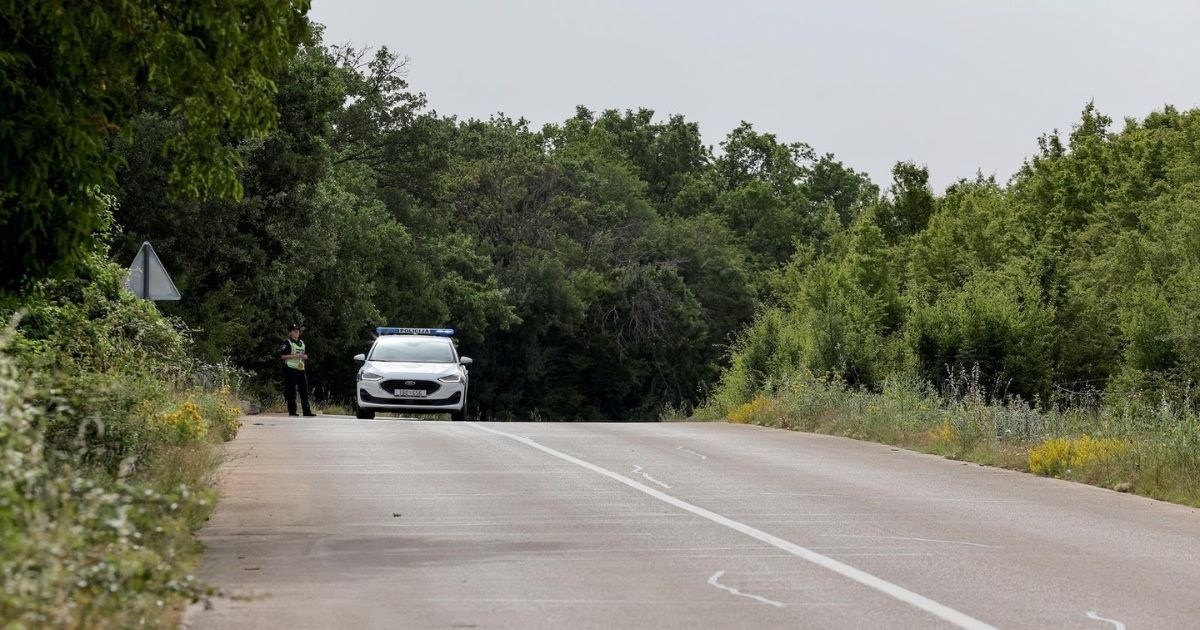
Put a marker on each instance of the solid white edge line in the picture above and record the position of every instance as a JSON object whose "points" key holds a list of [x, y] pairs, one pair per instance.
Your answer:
{"points": [[900, 593]]}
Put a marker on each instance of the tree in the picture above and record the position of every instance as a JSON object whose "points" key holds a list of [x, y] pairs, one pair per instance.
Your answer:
{"points": [[73, 75], [667, 155], [753, 156], [848, 192], [778, 197], [911, 204]]}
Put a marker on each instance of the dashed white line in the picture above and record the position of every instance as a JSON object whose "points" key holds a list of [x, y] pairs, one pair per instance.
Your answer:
{"points": [[691, 452], [895, 591], [638, 469], [716, 576], [1118, 624]]}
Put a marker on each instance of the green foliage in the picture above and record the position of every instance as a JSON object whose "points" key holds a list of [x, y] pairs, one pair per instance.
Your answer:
{"points": [[974, 229], [1078, 278], [912, 202], [607, 325], [107, 446], [836, 315], [667, 156], [74, 75], [998, 322], [80, 546]]}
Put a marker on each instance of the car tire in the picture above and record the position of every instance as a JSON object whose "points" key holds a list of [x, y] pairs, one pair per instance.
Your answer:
{"points": [[458, 416], [364, 414]]}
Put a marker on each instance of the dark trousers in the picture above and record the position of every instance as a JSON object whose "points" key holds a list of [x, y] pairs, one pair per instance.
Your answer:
{"points": [[293, 380]]}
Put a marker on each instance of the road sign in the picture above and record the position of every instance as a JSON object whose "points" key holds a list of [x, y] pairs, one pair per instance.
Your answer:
{"points": [[148, 278]]}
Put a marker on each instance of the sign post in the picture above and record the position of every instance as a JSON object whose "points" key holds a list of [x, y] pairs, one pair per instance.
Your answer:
{"points": [[148, 279]]}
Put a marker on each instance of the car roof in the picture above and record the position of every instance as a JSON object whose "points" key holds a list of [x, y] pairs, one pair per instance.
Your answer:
{"points": [[390, 339]]}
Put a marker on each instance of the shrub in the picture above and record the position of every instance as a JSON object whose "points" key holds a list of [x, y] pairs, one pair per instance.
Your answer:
{"points": [[79, 548], [1057, 456], [944, 433], [751, 411], [183, 424], [998, 323]]}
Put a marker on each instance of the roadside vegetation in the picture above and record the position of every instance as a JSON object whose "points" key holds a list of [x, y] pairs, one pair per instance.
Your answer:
{"points": [[1048, 325], [1143, 446], [108, 447]]}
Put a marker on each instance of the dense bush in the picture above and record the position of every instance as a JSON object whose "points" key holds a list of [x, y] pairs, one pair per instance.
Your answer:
{"points": [[106, 456]]}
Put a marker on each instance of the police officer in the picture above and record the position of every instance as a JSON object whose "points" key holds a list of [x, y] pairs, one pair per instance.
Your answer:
{"points": [[292, 354]]}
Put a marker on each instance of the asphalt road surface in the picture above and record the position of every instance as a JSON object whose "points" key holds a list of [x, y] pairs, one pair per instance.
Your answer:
{"points": [[335, 522]]}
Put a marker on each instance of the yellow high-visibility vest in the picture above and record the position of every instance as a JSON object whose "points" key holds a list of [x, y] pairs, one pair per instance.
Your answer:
{"points": [[297, 348]]}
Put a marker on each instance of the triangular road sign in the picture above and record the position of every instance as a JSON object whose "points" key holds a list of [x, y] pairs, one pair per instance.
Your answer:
{"points": [[148, 278]]}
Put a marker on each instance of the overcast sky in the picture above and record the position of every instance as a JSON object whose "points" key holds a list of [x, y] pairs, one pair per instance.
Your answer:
{"points": [[957, 85]]}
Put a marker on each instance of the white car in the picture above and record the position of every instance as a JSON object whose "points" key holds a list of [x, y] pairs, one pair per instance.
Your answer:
{"points": [[412, 370]]}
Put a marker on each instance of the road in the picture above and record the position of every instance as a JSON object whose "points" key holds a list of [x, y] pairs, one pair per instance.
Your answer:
{"points": [[341, 523]]}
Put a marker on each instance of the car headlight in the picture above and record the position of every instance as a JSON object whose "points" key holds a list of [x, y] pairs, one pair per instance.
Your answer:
{"points": [[451, 378], [369, 376]]}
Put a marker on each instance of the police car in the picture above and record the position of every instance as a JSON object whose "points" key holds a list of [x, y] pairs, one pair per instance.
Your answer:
{"points": [[412, 370]]}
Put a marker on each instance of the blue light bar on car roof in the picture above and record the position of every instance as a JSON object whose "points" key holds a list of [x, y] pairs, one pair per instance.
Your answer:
{"points": [[392, 330]]}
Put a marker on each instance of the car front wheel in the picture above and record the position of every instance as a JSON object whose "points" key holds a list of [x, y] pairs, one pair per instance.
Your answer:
{"points": [[365, 414]]}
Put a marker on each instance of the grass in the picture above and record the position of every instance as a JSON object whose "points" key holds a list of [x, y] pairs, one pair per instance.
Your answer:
{"points": [[1131, 446]]}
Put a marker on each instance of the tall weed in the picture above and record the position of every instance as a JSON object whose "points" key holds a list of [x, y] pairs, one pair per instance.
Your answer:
{"points": [[1153, 449]]}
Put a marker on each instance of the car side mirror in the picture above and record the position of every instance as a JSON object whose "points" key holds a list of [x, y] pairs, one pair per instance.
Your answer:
{"points": [[360, 357], [466, 360]]}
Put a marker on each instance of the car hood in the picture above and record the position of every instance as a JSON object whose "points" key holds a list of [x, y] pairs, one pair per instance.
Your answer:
{"points": [[410, 370]]}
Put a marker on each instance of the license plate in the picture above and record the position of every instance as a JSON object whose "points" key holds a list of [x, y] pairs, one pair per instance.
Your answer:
{"points": [[410, 393]]}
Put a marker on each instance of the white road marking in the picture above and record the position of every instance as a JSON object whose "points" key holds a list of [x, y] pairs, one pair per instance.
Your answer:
{"points": [[1118, 624], [716, 576], [933, 540], [896, 591], [638, 469], [690, 452]]}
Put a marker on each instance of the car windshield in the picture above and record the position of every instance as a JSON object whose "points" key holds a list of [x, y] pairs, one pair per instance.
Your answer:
{"points": [[413, 350]]}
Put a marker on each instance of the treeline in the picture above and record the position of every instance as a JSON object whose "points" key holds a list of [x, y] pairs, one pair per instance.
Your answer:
{"points": [[595, 269], [1077, 282]]}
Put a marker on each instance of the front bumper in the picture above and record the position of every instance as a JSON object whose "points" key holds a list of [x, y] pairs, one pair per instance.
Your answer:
{"points": [[439, 396]]}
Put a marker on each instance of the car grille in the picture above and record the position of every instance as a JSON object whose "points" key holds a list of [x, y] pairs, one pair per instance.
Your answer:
{"points": [[392, 385], [417, 402]]}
